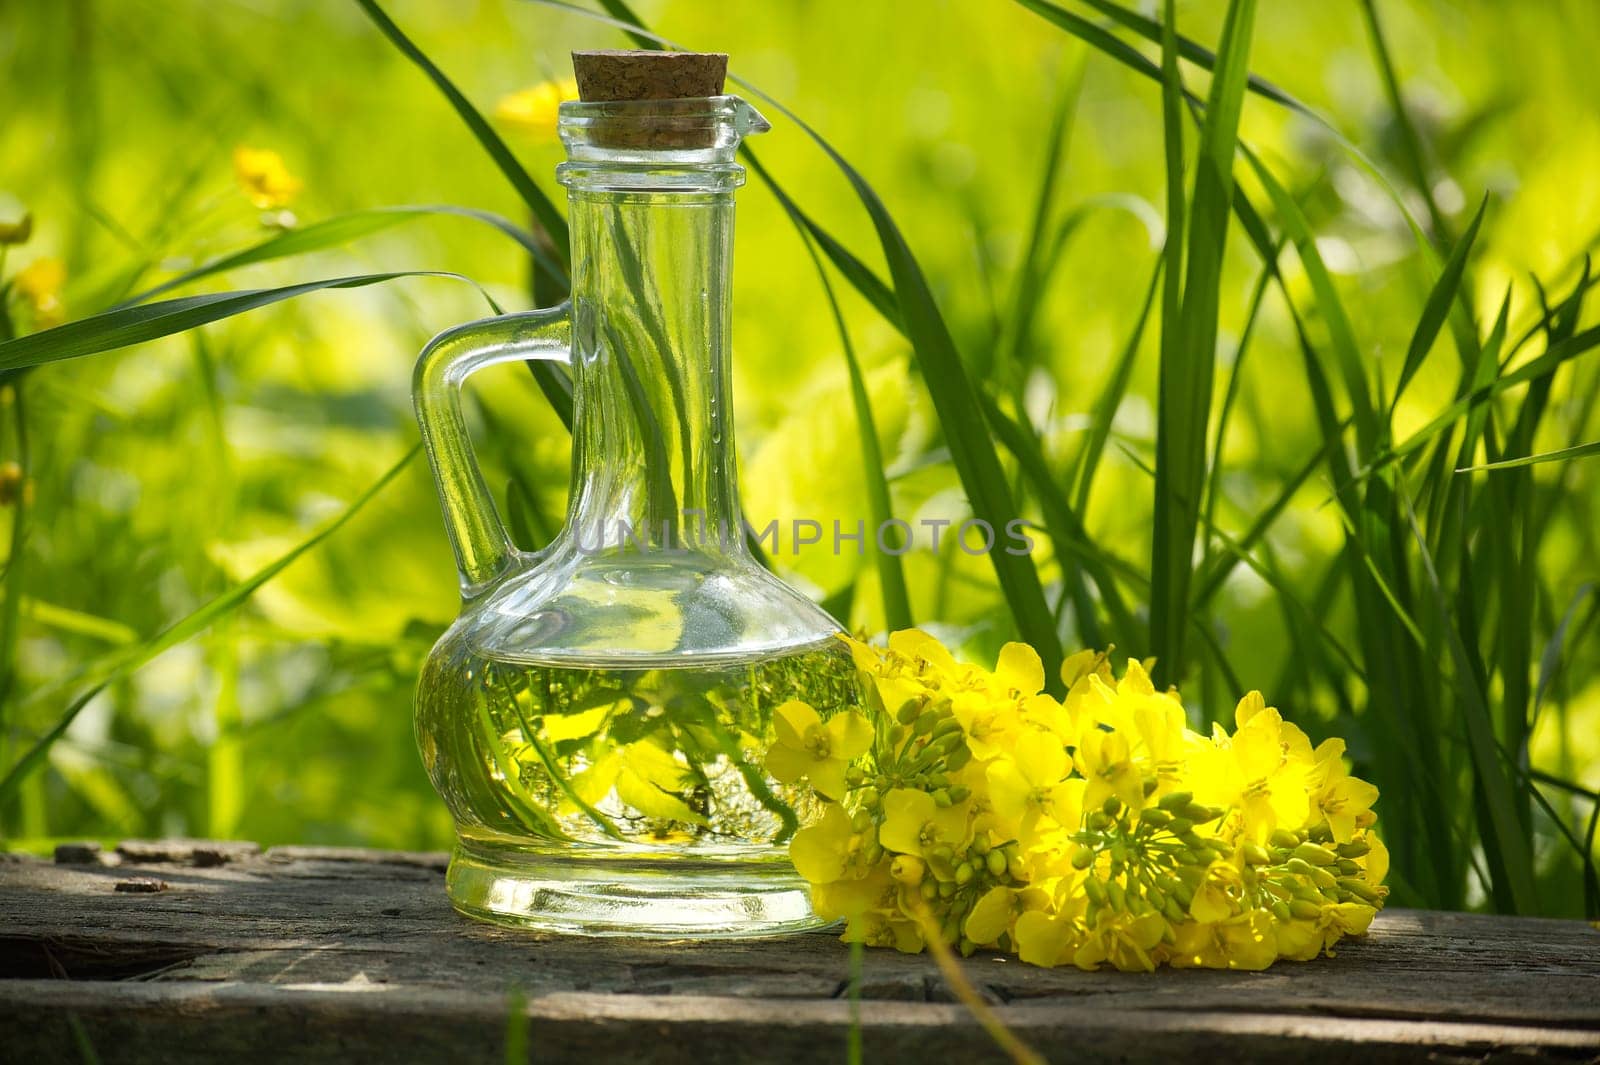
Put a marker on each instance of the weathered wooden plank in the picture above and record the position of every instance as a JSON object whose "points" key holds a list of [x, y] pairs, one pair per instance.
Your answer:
{"points": [[320, 954]]}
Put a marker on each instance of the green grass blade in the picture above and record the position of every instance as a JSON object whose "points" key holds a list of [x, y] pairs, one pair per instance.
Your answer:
{"points": [[1215, 573], [1189, 342], [1041, 251], [1104, 412], [1410, 140], [1096, 36], [544, 211], [891, 574], [954, 397], [1119, 50], [1578, 452], [1340, 334], [1440, 299], [1075, 550], [861, 276], [1511, 855], [125, 663], [341, 229], [150, 321], [619, 10], [1230, 395], [1548, 362]]}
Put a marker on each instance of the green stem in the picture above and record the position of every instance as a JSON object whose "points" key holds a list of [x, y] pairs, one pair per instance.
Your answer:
{"points": [[545, 756]]}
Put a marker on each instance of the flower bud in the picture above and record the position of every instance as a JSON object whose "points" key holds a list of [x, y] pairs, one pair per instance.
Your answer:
{"points": [[1346, 867], [996, 863], [1255, 854], [1112, 806], [908, 711], [958, 758], [860, 821], [1082, 857], [1305, 911], [964, 874], [1153, 815], [1300, 867], [1179, 826], [929, 890], [925, 722], [1280, 910], [1176, 801], [1282, 837], [1356, 848], [941, 799], [1362, 890], [1098, 821], [1315, 854], [947, 889]]}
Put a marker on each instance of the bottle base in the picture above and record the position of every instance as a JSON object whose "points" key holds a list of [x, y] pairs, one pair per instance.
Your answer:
{"points": [[617, 896]]}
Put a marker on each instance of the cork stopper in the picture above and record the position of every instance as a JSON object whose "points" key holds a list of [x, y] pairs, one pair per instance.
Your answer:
{"points": [[622, 76], [614, 75]]}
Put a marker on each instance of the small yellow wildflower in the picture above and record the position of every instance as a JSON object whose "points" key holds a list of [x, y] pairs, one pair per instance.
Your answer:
{"points": [[536, 109], [1241, 941], [1263, 770], [265, 178], [1032, 784], [816, 750], [1336, 795], [39, 284], [1123, 938], [913, 823], [820, 851], [1304, 939]]}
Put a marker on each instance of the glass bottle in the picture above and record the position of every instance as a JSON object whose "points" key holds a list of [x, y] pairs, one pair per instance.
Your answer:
{"points": [[598, 716]]}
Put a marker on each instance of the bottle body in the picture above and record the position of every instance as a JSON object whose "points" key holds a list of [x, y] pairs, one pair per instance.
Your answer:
{"points": [[627, 797], [598, 718]]}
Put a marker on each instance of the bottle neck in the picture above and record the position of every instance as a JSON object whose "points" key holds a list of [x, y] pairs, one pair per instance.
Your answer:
{"points": [[653, 460]]}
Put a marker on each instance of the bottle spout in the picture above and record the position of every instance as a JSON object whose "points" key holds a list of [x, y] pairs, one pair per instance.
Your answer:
{"points": [[747, 120]]}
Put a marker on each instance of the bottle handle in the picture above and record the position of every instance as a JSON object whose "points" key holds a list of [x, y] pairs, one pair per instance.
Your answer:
{"points": [[483, 548]]}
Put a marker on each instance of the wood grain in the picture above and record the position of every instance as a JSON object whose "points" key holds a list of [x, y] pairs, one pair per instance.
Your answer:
{"points": [[318, 954]]}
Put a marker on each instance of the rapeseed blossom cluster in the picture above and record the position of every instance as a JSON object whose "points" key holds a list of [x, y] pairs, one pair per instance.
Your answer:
{"points": [[1098, 829]]}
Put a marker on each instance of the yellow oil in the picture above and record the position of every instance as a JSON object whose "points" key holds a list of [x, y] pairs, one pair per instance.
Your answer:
{"points": [[656, 762]]}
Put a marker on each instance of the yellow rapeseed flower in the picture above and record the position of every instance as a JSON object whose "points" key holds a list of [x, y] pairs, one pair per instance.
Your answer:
{"points": [[264, 177], [1336, 795], [1097, 830], [536, 109], [812, 749], [39, 284]]}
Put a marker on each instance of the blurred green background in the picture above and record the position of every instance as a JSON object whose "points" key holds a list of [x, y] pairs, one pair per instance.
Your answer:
{"points": [[160, 475]]}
